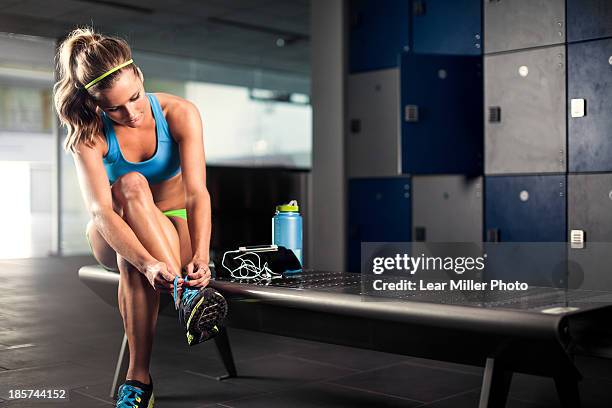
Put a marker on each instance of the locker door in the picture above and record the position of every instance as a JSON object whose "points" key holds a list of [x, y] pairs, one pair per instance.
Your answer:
{"points": [[373, 129], [379, 211], [589, 204], [525, 112], [517, 24], [588, 19], [590, 95], [447, 209], [447, 27], [525, 208], [377, 34], [441, 108]]}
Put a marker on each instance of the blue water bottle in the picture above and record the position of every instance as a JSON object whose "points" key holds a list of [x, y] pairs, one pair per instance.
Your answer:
{"points": [[287, 229]]}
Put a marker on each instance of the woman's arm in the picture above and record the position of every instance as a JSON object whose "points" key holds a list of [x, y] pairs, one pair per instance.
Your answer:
{"points": [[98, 200], [186, 127]]}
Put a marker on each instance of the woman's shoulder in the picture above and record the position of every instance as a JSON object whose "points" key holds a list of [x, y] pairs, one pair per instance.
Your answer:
{"points": [[175, 107], [97, 144]]}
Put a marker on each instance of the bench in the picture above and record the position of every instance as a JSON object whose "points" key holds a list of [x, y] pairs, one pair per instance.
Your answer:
{"points": [[534, 335]]}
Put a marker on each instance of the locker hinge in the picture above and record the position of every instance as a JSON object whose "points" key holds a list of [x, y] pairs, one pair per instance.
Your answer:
{"points": [[494, 114], [355, 125], [411, 113], [577, 239], [578, 108]]}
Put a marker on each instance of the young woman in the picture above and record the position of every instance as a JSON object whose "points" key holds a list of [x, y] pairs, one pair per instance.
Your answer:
{"points": [[140, 164]]}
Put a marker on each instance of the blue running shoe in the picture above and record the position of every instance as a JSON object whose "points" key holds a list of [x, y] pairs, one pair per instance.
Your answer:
{"points": [[201, 312], [134, 394]]}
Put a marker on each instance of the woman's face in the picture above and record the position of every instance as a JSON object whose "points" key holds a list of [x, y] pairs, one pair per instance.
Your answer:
{"points": [[125, 101]]}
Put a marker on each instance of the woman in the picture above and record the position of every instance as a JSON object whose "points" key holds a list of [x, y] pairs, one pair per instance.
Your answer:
{"points": [[140, 164]]}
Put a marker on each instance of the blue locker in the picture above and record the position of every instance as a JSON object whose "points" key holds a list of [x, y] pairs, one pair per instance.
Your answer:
{"points": [[447, 27], [590, 104], [525, 208], [377, 33], [442, 108], [378, 211], [588, 19]]}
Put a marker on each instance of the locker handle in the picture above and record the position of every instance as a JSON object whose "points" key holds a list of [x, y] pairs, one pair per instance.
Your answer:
{"points": [[419, 8], [419, 234], [494, 114], [493, 235], [411, 113]]}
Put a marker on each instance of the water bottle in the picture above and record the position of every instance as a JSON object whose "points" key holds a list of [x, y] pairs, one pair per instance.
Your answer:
{"points": [[287, 228]]}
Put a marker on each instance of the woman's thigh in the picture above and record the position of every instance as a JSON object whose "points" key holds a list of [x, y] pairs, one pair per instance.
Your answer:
{"points": [[104, 254], [182, 229]]}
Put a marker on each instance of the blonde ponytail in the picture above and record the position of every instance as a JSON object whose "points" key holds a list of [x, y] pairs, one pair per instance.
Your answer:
{"points": [[83, 56]]}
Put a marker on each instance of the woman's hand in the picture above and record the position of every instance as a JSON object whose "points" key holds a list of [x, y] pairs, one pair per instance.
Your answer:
{"points": [[160, 278], [197, 272]]}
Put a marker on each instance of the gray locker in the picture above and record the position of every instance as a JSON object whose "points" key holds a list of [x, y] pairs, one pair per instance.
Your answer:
{"points": [[373, 141], [590, 231], [517, 24], [447, 209], [525, 127]]}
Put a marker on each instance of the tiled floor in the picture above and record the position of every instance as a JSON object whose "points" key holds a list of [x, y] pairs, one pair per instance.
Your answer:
{"points": [[55, 333]]}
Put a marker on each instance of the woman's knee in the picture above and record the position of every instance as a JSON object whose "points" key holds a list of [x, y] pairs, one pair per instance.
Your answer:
{"points": [[130, 187]]}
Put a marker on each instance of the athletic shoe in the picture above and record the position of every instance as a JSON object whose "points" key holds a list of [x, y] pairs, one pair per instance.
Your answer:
{"points": [[134, 394], [201, 312]]}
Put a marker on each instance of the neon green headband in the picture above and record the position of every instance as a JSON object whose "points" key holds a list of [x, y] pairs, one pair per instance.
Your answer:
{"points": [[107, 73]]}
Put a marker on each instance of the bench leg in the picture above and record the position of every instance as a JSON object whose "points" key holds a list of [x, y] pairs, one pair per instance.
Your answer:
{"points": [[225, 351], [567, 389], [123, 361], [495, 385]]}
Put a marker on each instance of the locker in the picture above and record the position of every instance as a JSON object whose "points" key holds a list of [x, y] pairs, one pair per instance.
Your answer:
{"points": [[441, 107], [447, 209], [378, 211], [517, 24], [590, 100], [525, 208], [588, 19], [527, 214], [377, 35], [447, 27], [589, 204], [525, 112], [373, 140]]}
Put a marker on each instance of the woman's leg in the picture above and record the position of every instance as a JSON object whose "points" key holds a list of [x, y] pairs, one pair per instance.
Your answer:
{"points": [[138, 301]]}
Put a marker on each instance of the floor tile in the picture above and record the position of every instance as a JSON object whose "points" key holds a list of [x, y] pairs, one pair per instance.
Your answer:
{"points": [[322, 395], [413, 382]]}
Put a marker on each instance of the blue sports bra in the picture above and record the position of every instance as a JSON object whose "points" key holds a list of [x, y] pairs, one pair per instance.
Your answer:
{"points": [[165, 162]]}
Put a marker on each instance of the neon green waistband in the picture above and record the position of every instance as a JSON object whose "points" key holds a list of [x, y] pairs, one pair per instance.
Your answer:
{"points": [[181, 213]]}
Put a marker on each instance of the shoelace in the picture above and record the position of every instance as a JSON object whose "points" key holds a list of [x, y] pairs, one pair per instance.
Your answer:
{"points": [[128, 394], [188, 292]]}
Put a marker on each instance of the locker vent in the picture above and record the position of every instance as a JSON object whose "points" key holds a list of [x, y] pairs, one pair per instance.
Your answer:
{"points": [[411, 113], [494, 114], [577, 239]]}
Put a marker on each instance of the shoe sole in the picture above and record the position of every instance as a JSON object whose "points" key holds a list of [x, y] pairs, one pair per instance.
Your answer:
{"points": [[206, 318]]}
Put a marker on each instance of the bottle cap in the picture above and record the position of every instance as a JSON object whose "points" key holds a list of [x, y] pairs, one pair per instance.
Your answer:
{"points": [[292, 206]]}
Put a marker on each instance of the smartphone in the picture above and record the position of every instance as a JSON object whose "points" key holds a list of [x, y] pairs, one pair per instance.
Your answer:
{"points": [[259, 248]]}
